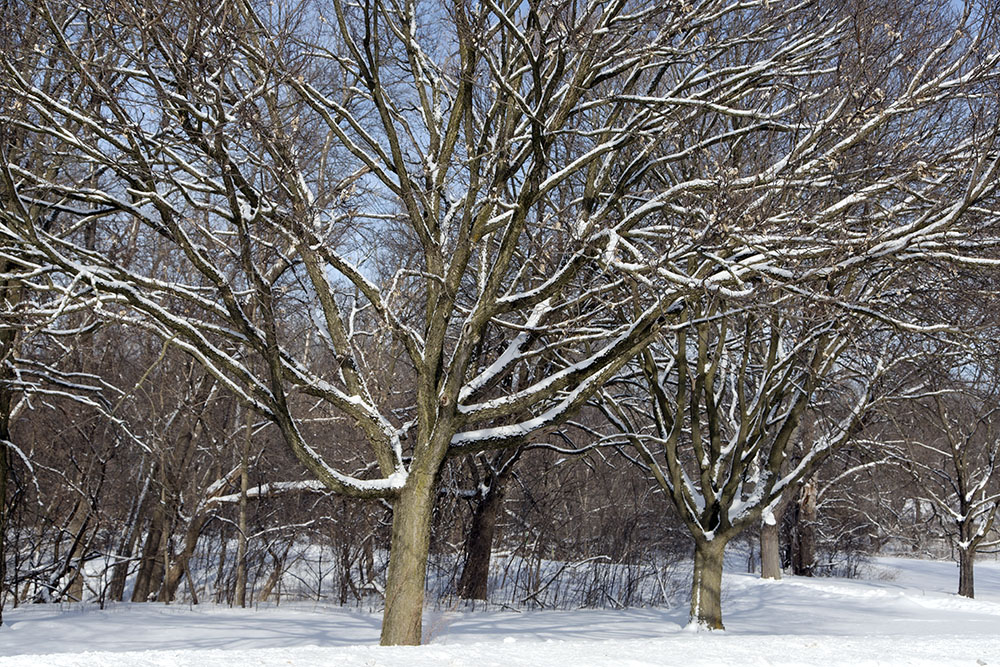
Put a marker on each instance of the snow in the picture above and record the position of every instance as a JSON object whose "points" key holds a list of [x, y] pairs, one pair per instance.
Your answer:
{"points": [[905, 613]]}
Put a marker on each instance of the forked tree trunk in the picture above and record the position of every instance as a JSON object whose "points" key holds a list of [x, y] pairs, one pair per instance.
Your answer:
{"points": [[706, 587], [474, 582], [275, 576], [402, 622], [966, 565], [179, 567], [770, 551]]}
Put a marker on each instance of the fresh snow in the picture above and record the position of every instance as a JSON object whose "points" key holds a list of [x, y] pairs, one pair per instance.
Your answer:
{"points": [[903, 613]]}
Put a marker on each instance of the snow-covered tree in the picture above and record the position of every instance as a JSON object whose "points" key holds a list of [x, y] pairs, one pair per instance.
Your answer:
{"points": [[246, 179], [711, 410], [269, 148], [715, 421], [954, 444]]}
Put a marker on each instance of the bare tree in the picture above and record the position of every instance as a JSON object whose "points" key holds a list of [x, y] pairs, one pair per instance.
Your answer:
{"points": [[957, 465], [715, 421], [727, 388], [211, 133], [240, 171]]}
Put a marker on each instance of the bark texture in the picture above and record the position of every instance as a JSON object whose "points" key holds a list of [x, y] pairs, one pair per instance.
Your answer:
{"points": [[804, 563], [4, 466], [966, 567], [770, 551], [478, 548], [706, 587], [402, 622]]}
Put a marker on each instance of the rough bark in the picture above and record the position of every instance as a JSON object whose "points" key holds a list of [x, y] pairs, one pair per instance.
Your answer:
{"points": [[770, 551], [402, 623], [706, 587], [241, 547], [150, 572], [966, 565], [804, 563], [473, 584], [4, 467]]}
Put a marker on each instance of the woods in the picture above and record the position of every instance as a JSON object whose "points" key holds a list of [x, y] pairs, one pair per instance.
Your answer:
{"points": [[325, 270]]}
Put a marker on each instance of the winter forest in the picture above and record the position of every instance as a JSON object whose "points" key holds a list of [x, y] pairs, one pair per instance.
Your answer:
{"points": [[525, 304]]}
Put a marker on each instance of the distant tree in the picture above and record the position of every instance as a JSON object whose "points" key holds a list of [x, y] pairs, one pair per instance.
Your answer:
{"points": [[954, 453], [715, 420]]}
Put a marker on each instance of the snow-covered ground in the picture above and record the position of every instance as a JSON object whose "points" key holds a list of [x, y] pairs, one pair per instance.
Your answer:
{"points": [[905, 613]]}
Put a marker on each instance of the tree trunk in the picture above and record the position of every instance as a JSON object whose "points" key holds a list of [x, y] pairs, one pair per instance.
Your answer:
{"points": [[408, 551], [275, 576], [770, 540], [119, 573], [770, 550], [151, 565], [966, 564], [4, 466], [6, 407], [126, 549], [241, 544], [220, 573], [77, 528], [474, 582], [179, 568], [804, 563], [368, 559], [706, 587], [10, 294]]}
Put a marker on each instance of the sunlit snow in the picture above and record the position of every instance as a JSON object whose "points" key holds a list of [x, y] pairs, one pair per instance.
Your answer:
{"points": [[903, 612]]}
